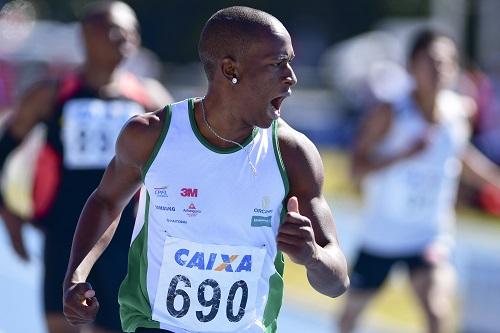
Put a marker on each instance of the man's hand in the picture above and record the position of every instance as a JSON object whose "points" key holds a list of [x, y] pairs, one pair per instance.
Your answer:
{"points": [[14, 225], [80, 305], [296, 236]]}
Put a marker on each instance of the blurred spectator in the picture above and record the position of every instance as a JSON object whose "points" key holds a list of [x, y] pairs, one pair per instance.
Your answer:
{"points": [[487, 120], [83, 114], [486, 135], [408, 157]]}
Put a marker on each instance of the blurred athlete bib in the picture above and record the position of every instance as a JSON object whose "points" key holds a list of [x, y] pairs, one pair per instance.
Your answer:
{"points": [[91, 127]]}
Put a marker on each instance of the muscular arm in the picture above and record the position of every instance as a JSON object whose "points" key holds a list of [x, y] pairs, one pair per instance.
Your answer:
{"points": [[308, 233], [100, 215]]}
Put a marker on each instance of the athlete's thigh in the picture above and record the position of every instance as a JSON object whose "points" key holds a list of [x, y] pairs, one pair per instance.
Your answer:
{"points": [[357, 300], [433, 283]]}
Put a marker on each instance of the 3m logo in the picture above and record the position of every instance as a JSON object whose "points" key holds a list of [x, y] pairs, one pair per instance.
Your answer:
{"points": [[189, 192]]}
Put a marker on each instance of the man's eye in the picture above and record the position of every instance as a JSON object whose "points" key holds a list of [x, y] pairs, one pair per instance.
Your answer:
{"points": [[280, 63]]}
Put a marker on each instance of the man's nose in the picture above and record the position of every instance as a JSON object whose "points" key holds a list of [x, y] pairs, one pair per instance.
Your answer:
{"points": [[290, 77]]}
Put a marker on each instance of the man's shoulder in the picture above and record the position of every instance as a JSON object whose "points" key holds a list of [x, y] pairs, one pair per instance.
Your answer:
{"points": [[295, 147], [145, 124], [457, 105], [290, 137], [139, 136]]}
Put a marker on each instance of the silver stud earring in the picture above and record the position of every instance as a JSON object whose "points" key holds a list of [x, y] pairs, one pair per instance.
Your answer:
{"points": [[234, 80]]}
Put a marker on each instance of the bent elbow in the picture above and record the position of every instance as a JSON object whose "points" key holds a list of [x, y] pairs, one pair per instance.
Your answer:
{"points": [[341, 287]]}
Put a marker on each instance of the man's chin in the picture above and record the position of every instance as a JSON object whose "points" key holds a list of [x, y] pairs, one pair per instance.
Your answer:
{"points": [[266, 124]]}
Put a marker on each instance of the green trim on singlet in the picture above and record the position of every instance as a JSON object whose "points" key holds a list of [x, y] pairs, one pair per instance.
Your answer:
{"points": [[275, 296], [135, 308], [168, 117], [207, 144], [279, 160]]}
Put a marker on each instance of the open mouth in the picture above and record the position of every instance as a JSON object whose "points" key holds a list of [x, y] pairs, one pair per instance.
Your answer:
{"points": [[276, 105]]}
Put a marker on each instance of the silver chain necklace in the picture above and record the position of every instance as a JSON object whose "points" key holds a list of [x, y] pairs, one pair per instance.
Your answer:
{"points": [[252, 166]]}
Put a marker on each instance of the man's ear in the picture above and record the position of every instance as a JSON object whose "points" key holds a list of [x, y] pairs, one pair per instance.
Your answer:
{"points": [[229, 69]]}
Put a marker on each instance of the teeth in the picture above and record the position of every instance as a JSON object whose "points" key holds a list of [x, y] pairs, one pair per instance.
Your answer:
{"points": [[273, 112]]}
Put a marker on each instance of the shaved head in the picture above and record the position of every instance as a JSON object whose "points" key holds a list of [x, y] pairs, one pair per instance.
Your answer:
{"points": [[230, 32]]}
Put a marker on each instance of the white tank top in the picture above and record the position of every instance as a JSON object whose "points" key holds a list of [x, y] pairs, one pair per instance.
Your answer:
{"points": [[203, 256], [410, 204]]}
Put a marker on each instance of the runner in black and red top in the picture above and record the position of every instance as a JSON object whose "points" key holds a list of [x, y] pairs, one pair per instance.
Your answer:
{"points": [[83, 114]]}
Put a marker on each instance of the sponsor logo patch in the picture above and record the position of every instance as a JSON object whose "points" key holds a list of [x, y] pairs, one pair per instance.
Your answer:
{"points": [[165, 208], [219, 262], [177, 221], [189, 192], [161, 192], [261, 221], [192, 211]]}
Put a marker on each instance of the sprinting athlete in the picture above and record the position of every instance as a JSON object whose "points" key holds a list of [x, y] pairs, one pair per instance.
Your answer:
{"points": [[83, 114], [228, 188], [409, 156]]}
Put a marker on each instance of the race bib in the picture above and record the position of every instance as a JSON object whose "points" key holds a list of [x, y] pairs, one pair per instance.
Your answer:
{"points": [[90, 129], [206, 287]]}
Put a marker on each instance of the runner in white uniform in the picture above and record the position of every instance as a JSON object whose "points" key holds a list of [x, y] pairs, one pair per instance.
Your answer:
{"points": [[410, 204], [228, 188], [196, 203], [409, 158]]}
